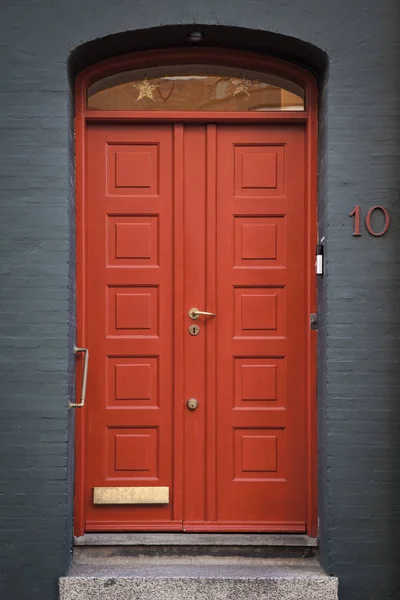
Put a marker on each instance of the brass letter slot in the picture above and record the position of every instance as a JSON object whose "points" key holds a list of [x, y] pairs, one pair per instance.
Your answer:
{"points": [[131, 495]]}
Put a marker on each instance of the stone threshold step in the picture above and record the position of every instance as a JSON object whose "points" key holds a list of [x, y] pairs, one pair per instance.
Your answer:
{"points": [[194, 539], [200, 579]]}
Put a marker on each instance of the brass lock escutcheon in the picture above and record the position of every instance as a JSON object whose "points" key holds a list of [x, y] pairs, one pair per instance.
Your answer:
{"points": [[194, 330], [192, 403]]}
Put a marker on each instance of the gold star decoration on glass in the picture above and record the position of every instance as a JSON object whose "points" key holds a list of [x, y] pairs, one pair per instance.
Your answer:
{"points": [[242, 86], [145, 89]]}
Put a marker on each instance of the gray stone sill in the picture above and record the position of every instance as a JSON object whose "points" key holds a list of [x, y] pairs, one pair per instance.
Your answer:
{"points": [[194, 539], [201, 567]]}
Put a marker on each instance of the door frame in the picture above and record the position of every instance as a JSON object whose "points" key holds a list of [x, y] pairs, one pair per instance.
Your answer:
{"points": [[223, 58]]}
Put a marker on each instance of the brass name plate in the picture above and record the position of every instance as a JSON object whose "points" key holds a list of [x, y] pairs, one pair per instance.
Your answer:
{"points": [[131, 495]]}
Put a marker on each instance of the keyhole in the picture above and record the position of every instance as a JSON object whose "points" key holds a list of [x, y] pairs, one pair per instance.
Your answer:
{"points": [[194, 330]]}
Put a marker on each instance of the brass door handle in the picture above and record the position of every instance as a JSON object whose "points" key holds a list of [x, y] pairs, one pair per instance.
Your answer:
{"points": [[194, 313], [81, 404]]}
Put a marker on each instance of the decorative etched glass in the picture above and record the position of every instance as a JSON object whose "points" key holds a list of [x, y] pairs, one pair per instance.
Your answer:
{"points": [[196, 88]]}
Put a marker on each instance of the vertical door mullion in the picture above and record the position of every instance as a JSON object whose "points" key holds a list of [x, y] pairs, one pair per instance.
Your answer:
{"points": [[178, 323], [211, 300], [193, 365]]}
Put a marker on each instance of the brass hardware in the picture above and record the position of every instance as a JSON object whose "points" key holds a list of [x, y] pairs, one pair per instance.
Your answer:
{"points": [[131, 495], [194, 313], [194, 330], [81, 404], [192, 403]]}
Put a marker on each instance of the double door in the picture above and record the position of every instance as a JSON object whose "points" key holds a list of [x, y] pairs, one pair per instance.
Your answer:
{"points": [[195, 422]]}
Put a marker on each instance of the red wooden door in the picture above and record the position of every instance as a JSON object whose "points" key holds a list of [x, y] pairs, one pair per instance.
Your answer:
{"points": [[213, 217], [129, 295], [262, 320]]}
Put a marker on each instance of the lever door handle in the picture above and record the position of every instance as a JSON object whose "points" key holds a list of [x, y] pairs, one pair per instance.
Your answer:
{"points": [[81, 403], [194, 313]]}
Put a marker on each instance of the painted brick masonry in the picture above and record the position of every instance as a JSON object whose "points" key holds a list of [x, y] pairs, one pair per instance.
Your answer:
{"points": [[354, 48]]}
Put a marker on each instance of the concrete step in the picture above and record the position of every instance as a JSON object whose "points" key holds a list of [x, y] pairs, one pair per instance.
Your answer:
{"points": [[197, 578]]}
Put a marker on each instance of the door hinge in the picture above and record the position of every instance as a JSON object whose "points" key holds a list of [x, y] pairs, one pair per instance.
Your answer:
{"points": [[313, 321]]}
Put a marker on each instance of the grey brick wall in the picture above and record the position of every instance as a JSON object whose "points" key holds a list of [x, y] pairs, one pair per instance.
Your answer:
{"points": [[359, 418]]}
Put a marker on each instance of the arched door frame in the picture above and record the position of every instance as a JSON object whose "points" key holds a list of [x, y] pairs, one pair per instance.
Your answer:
{"points": [[223, 58]]}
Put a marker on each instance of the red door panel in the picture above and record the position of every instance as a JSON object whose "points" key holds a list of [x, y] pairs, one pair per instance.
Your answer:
{"points": [[129, 308], [261, 328], [213, 217]]}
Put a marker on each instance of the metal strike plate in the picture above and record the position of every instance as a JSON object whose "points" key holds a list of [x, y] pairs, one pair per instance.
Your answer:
{"points": [[192, 403], [194, 330], [313, 321], [131, 495]]}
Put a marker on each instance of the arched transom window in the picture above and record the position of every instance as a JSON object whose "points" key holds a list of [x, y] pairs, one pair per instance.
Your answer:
{"points": [[195, 88]]}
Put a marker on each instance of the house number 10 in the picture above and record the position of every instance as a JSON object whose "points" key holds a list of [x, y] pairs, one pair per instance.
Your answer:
{"points": [[356, 214]]}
